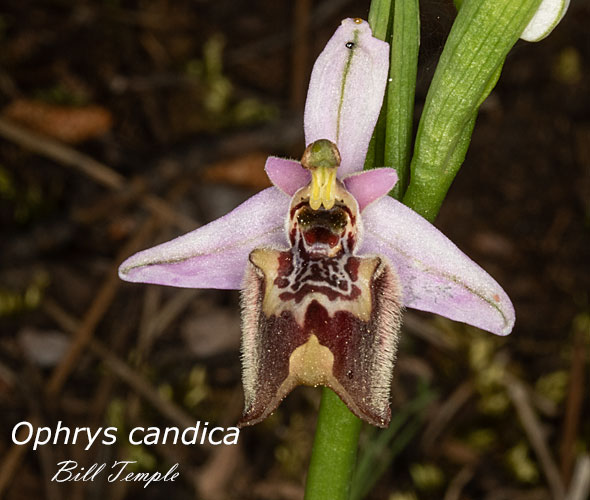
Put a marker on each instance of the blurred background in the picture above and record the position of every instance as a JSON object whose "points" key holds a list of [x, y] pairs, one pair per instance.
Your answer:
{"points": [[126, 123]]}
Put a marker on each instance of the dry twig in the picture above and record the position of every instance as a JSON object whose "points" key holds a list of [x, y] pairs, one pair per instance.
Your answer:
{"points": [[573, 407], [459, 482], [535, 434], [11, 461], [425, 330], [167, 408], [61, 153], [95, 170], [213, 478], [165, 316], [580, 485], [446, 412], [96, 311]]}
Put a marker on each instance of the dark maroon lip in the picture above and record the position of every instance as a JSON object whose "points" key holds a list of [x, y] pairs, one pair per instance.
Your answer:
{"points": [[321, 235], [336, 205]]}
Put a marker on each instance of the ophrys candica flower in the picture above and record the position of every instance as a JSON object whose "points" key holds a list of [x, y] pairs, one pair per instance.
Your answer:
{"points": [[326, 261]]}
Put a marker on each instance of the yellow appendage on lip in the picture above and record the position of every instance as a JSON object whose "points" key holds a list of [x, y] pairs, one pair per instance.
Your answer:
{"points": [[323, 182], [322, 159]]}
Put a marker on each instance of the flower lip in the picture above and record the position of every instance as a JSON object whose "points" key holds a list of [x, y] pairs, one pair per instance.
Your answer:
{"points": [[323, 229], [328, 230]]}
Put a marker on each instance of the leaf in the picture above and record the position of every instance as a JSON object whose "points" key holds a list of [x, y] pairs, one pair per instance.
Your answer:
{"points": [[71, 125]]}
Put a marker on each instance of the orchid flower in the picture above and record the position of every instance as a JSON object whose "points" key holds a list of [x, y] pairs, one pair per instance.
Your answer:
{"points": [[325, 260]]}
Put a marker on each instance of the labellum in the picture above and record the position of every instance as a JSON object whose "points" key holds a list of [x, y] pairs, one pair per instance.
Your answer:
{"points": [[316, 313]]}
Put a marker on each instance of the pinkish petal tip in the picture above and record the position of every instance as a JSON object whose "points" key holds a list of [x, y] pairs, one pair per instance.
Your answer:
{"points": [[370, 185], [436, 276], [215, 255], [287, 175]]}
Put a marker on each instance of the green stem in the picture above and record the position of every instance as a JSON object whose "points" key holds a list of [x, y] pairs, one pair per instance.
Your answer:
{"points": [[334, 450], [398, 23], [380, 21], [482, 35], [379, 14], [399, 98]]}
